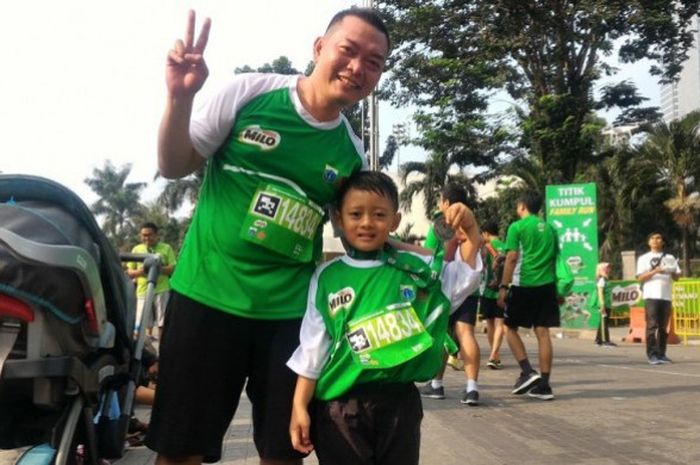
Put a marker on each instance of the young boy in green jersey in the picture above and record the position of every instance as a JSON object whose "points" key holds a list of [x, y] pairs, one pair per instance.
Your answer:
{"points": [[375, 324]]}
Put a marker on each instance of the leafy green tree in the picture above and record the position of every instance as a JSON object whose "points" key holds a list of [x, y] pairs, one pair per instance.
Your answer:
{"points": [[670, 157], [454, 53], [118, 202]]}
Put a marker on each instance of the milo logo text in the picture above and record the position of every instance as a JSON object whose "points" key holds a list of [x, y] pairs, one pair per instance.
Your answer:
{"points": [[341, 299], [628, 295], [255, 135]]}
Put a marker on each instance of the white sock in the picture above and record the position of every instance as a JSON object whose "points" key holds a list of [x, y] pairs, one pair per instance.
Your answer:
{"points": [[471, 385], [436, 383]]}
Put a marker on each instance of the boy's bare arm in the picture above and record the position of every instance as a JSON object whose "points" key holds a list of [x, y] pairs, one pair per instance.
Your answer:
{"points": [[300, 422], [462, 219]]}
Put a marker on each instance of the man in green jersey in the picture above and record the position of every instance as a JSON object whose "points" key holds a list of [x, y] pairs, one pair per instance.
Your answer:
{"points": [[492, 313], [276, 149], [375, 323], [528, 291]]}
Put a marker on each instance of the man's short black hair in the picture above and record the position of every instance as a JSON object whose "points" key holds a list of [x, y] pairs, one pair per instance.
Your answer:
{"points": [[532, 201], [490, 227], [654, 233], [453, 193], [150, 225], [370, 181], [367, 15]]}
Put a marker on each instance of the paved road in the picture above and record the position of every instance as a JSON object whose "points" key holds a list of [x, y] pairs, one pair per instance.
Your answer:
{"points": [[611, 407]]}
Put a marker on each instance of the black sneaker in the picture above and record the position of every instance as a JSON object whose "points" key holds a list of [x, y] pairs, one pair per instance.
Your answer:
{"points": [[525, 382], [663, 359], [541, 392], [654, 360], [432, 393], [470, 398], [609, 344]]}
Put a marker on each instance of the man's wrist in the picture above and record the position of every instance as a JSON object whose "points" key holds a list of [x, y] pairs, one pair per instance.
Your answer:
{"points": [[504, 286]]}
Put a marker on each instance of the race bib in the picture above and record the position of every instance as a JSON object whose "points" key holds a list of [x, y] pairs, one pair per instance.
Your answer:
{"points": [[283, 221], [388, 337]]}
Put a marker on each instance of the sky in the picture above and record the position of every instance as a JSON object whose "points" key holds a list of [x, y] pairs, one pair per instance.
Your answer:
{"points": [[83, 80]]}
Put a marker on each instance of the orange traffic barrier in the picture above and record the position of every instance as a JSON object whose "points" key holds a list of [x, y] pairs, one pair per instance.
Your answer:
{"points": [[638, 327]]}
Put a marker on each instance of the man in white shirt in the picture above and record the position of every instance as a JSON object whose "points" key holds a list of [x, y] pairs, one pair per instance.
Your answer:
{"points": [[656, 271]]}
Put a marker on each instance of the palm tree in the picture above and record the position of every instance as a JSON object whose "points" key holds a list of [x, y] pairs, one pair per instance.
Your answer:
{"points": [[179, 191], [670, 155], [434, 173], [118, 201]]}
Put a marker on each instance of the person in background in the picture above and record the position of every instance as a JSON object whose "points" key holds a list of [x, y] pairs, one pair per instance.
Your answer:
{"points": [[528, 292], [151, 244], [657, 270], [604, 302], [494, 252]]}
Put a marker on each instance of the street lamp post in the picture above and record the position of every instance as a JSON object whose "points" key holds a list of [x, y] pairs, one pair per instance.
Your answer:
{"points": [[400, 131]]}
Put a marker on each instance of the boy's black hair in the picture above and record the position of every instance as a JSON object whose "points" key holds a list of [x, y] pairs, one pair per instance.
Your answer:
{"points": [[490, 227], [369, 181], [532, 201], [367, 15], [453, 192], [654, 233], [150, 225]]}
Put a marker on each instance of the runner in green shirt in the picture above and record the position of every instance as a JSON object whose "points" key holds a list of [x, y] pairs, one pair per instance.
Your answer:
{"points": [[528, 292], [275, 149], [492, 313], [375, 324]]}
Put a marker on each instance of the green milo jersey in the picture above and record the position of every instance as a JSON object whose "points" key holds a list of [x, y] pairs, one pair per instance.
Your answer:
{"points": [[536, 244], [272, 144], [500, 247], [346, 290]]}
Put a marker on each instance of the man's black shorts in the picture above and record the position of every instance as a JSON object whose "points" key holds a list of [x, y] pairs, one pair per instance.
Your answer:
{"points": [[489, 308], [466, 313], [206, 356], [532, 306], [372, 424]]}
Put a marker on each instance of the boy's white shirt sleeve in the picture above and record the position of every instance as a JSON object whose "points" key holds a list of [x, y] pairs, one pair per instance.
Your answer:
{"points": [[459, 280], [314, 341]]}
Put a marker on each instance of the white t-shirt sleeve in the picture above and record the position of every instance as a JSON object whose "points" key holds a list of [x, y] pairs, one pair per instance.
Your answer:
{"points": [[459, 280], [643, 264], [212, 121], [314, 341]]}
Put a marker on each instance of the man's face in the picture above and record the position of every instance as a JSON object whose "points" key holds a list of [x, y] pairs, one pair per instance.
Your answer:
{"points": [[656, 242], [148, 237], [349, 60]]}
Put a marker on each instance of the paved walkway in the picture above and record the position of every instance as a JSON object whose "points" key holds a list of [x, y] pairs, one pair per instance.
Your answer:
{"points": [[611, 407]]}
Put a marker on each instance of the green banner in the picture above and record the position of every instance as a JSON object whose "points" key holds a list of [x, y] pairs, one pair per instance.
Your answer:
{"points": [[573, 212]]}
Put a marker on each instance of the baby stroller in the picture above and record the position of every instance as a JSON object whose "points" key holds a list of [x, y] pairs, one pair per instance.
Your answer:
{"points": [[68, 363]]}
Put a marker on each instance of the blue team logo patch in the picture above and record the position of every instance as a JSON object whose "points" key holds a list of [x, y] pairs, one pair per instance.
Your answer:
{"points": [[408, 293], [330, 174]]}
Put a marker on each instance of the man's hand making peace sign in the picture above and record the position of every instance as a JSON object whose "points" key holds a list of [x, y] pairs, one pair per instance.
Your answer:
{"points": [[186, 69]]}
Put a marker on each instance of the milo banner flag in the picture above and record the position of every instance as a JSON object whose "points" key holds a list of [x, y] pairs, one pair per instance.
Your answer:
{"points": [[572, 210]]}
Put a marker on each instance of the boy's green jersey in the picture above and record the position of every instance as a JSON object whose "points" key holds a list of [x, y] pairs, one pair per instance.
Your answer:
{"points": [[368, 307], [272, 147], [536, 244]]}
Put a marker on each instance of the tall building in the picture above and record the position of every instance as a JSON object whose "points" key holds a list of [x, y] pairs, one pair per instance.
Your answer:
{"points": [[683, 96]]}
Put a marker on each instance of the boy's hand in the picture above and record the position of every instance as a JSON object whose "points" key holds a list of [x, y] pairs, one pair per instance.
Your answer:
{"points": [[299, 430]]}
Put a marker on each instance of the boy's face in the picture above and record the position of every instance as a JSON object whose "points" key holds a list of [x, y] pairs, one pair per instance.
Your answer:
{"points": [[367, 219], [349, 60]]}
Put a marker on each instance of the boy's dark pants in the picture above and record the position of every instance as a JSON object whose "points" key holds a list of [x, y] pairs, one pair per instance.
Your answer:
{"points": [[373, 424]]}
